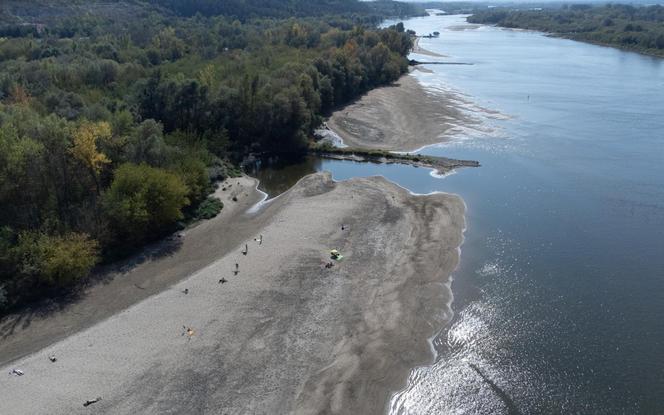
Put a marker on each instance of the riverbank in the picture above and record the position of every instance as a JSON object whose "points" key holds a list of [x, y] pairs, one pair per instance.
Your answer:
{"points": [[636, 30], [286, 334], [400, 117]]}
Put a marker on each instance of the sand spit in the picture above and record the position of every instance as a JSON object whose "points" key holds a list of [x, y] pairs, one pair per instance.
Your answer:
{"points": [[284, 335], [421, 51], [400, 117]]}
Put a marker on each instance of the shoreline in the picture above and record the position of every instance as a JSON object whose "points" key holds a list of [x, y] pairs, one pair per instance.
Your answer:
{"points": [[263, 341]]}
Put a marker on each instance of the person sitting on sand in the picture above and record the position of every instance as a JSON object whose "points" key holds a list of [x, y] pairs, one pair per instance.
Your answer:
{"points": [[188, 331], [91, 401]]}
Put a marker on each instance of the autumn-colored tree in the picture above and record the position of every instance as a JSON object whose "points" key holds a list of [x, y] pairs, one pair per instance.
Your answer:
{"points": [[56, 260], [85, 150]]}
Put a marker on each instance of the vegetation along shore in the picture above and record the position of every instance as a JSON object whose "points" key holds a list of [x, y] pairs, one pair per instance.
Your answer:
{"points": [[630, 27]]}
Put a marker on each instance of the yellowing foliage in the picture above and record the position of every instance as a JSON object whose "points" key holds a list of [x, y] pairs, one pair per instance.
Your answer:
{"points": [[85, 144], [58, 260]]}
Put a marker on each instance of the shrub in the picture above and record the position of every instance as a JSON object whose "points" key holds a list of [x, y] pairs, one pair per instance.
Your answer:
{"points": [[209, 208], [56, 260], [143, 202]]}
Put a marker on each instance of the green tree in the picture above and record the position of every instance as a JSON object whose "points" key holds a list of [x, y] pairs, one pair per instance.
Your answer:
{"points": [[194, 175], [56, 260], [20, 158], [142, 202], [147, 145]]}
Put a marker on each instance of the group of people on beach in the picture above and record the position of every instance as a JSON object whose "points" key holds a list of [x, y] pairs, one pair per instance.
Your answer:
{"points": [[188, 331]]}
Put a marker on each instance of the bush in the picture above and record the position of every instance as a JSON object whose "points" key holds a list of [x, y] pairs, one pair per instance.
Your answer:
{"points": [[143, 202], [209, 208], [56, 260], [194, 174]]}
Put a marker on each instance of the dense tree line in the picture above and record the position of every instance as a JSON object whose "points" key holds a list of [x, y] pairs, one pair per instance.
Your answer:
{"points": [[638, 28], [245, 9], [112, 132]]}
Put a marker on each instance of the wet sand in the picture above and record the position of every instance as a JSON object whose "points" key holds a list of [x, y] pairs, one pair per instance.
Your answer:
{"points": [[284, 335], [400, 117]]}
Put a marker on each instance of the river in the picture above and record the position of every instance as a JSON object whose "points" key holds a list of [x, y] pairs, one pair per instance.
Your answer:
{"points": [[559, 297]]}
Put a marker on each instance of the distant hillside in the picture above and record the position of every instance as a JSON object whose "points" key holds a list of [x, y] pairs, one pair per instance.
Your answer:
{"points": [[244, 9], [262, 8], [37, 12]]}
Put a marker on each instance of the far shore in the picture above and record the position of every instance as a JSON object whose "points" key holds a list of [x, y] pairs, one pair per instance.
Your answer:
{"points": [[283, 334]]}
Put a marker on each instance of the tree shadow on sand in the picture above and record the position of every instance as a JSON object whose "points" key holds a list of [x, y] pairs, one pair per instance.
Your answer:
{"points": [[60, 300]]}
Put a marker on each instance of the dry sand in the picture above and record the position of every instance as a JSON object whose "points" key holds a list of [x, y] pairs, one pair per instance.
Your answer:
{"points": [[400, 117], [285, 335]]}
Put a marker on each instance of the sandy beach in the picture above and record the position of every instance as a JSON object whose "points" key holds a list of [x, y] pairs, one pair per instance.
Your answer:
{"points": [[284, 335], [399, 117]]}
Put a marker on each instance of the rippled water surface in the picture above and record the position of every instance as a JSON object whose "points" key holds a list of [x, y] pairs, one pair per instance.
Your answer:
{"points": [[559, 298]]}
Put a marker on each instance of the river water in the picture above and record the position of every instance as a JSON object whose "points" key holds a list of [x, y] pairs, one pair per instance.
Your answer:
{"points": [[559, 297]]}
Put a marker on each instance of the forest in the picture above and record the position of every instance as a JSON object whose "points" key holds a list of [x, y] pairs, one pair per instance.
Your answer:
{"points": [[630, 27], [244, 9], [114, 126]]}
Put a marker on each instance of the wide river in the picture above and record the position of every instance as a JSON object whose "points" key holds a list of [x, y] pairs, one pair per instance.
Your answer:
{"points": [[559, 297]]}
